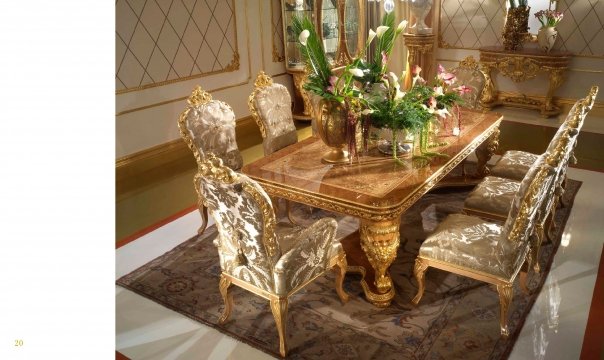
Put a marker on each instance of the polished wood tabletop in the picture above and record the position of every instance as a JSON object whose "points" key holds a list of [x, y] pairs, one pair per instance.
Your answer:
{"points": [[375, 184], [374, 188]]}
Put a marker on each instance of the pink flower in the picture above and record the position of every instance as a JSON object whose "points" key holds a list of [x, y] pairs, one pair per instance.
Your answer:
{"points": [[447, 78], [432, 102], [384, 58], [463, 89], [332, 84], [441, 69]]}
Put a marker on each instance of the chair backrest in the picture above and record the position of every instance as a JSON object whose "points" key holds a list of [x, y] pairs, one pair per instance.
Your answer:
{"points": [[468, 73], [208, 125], [246, 242], [562, 146], [526, 205], [270, 105]]}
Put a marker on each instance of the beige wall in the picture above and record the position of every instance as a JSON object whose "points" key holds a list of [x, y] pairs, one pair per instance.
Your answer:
{"points": [[147, 109], [469, 24]]}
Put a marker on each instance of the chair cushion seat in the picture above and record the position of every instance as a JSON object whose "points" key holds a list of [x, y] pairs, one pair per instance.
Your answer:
{"points": [[514, 164], [494, 195], [472, 243]]}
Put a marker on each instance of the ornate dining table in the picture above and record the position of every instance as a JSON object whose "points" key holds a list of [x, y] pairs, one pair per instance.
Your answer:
{"points": [[374, 188]]}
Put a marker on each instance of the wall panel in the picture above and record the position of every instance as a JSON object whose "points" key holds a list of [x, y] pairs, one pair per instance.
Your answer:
{"points": [[238, 44]]}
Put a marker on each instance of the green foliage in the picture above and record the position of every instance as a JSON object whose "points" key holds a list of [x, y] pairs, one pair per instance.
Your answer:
{"points": [[400, 115], [386, 42], [314, 56]]}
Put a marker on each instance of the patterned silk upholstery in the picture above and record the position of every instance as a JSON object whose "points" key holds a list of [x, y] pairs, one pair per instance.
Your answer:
{"points": [[270, 105], [470, 246], [208, 125], [257, 256], [492, 198], [514, 164], [468, 73]]}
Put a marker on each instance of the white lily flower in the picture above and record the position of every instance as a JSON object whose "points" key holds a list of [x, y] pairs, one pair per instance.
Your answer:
{"points": [[356, 72], [401, 26], [442, 112], [438, 91], [430, 110], [303, 37], [371, 36], [367, 112], [399, 94], [381, 30]]}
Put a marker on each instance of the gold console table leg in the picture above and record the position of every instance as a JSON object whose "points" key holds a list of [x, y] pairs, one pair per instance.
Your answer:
{"points": [[555, 80]]}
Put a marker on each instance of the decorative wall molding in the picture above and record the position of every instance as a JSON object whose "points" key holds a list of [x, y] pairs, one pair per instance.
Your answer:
{"points": [[138, 170], [160, 42], [471, 24], [278, 50], [581, 31]]}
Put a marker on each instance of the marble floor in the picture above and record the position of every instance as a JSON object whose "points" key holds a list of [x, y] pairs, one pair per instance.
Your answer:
{"points": [[554, 329]]}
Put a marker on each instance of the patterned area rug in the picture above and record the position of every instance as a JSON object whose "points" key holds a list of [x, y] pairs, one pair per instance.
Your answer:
{"points": [[457, 317]]}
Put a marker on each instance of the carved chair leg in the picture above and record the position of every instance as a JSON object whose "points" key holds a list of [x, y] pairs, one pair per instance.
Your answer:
{"points": [[506, 293], [524, 270], [548, 228], [563, 203], [340, 270], [540, 235], [204, 219], [279, 308], [227, 297], [290, 217], [419, 270]]}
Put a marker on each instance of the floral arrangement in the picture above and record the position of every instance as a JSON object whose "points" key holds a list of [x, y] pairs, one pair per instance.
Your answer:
{"points": [[415, 108], [549, 18], [347, 87], [368, 91]]}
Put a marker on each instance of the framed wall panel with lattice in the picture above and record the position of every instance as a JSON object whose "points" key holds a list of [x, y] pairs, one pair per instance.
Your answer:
{"points": [[277, 31], [470, 24], [160, 42]]}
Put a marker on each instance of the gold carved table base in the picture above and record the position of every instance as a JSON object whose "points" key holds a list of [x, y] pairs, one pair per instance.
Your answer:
{"points": [[370, 252]]}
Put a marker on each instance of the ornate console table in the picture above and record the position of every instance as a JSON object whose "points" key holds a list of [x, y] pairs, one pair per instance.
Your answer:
{"points": [[520, 66]]}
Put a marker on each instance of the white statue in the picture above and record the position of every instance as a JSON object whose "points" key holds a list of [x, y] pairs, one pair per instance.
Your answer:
{"points": [[420, 9]]}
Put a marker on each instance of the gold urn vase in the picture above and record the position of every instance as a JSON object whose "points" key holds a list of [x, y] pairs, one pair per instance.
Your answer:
{"points": [[330, 120]]}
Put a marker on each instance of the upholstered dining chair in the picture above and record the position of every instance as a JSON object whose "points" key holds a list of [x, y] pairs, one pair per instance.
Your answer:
{"points": [[270, 105], [514, 164], [208, 125], [468, 73], [485, 251], [493, 197], [257, 256]]}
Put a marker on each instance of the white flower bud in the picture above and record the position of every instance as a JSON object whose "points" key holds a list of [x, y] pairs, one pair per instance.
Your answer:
{"points": [[303, 37], [381, 30], [356, 72]]}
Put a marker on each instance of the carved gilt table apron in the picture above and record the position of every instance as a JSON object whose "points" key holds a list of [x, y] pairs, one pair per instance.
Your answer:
{"points": [[519, 66], [375, 190]]}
